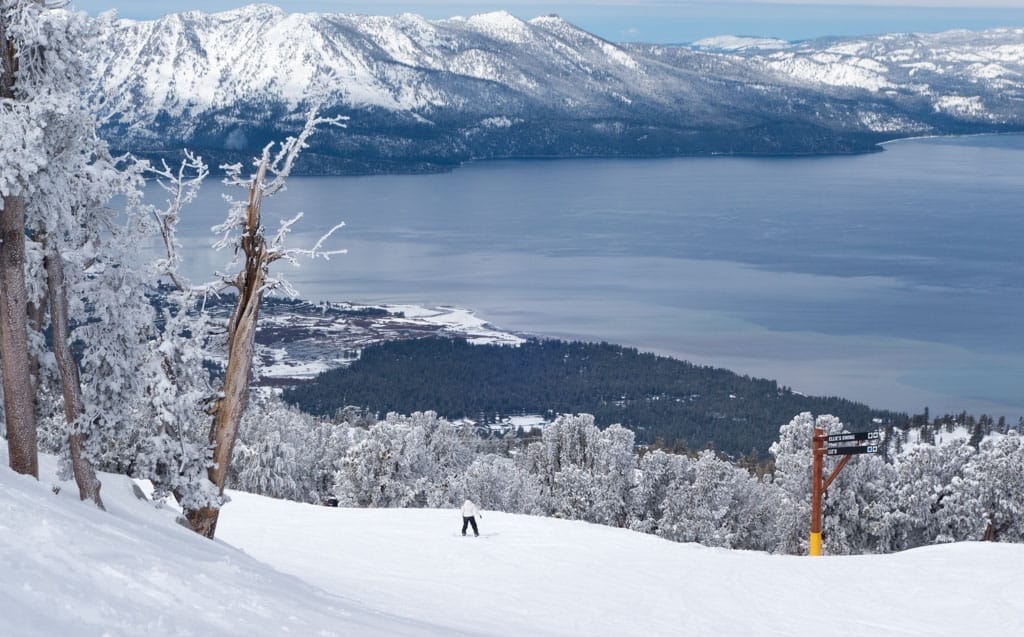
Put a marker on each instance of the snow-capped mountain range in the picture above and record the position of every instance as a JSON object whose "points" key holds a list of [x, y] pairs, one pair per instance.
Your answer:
{"points": [[425, 94]]}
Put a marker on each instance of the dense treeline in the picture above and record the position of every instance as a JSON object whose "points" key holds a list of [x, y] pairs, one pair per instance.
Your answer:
{"points": [[945, 490], [655, 396]]}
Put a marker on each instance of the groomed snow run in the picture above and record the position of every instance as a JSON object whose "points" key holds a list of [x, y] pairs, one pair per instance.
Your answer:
{"points": [[282, 568]]}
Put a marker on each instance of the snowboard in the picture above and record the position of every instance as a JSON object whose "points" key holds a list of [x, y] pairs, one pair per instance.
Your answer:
{"points": [[482, 536]]}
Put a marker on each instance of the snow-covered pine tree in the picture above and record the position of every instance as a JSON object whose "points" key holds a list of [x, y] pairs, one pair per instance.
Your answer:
{"points": [[269, 467], [614, 469], [407, 461], [563, 445], [994, 480], [856, 508], [308, 452], [926, 508], [498, 483], [61, 178], [370, 474], [20, 161], [171, 445], [323, 447], [583, 472], [72, 227], [656, 474]]}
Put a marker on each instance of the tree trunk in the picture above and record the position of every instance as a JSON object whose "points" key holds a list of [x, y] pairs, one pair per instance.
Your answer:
{"points": [[71, 386], [241, 346], [19, 400], [19, 405], [991, 532]]}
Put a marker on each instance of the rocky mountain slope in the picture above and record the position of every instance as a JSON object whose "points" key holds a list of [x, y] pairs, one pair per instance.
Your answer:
{"points": [[428, 94]]}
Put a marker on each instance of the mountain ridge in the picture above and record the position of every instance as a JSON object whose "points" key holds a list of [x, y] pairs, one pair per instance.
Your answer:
{"points": [[430, 94]]}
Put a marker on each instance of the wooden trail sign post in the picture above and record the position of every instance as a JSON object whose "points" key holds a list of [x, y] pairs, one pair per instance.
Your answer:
{"points": [[833, 445]]}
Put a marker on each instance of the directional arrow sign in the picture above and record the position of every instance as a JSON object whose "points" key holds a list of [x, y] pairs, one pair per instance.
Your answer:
{"points": [[855, 437], [852, 451]]}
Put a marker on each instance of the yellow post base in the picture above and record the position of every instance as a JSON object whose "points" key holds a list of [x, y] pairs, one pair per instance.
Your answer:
{"points": [[815, 544]]}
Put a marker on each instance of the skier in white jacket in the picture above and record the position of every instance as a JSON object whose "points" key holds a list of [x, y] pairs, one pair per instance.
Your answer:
{"points": [[469, 513]]}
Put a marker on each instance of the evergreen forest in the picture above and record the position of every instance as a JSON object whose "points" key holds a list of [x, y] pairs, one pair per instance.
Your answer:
{"points": [[656, 397]]}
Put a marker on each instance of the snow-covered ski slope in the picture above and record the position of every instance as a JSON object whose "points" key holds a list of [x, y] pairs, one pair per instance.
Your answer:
{"points": [[281, 568]]}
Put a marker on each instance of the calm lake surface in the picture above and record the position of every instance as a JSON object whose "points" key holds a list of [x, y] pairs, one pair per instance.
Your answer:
{"points": [[895, 278]]}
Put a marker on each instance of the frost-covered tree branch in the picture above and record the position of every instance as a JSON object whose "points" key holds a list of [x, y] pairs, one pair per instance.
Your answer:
{"points": [[182, 186], [278, 250], [272, 170]]}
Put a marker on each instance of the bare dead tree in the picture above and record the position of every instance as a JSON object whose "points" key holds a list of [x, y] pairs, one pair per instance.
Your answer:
{"points": [[252, 281]]}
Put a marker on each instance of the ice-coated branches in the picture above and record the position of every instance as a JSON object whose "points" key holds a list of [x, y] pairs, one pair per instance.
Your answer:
{"points": [[279, 252], [53, 47], [182, 187], [278, 165], [276, 251], [284, 159], [243, 222]]}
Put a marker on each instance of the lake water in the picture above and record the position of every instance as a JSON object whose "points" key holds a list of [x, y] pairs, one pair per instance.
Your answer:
{"points": [[895, 278]]}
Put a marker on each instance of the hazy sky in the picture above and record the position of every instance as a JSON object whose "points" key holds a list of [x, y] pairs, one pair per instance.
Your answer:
{"points": [[660, 20]]}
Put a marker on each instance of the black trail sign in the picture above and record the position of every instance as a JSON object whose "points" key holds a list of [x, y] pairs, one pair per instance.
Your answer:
{"points": [[852, 451], [854, 437]]}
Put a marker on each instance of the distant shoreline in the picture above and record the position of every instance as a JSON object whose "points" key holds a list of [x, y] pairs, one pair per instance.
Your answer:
{"points": [[964, 135], [429, 168]]}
